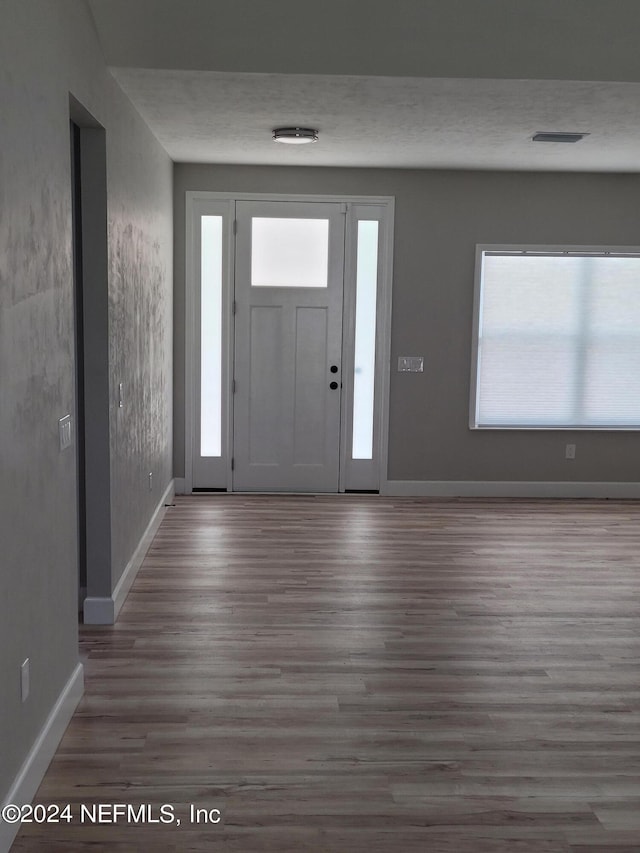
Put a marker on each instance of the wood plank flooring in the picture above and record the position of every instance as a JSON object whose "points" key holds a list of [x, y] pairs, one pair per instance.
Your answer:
{"points": [[355, 674]]}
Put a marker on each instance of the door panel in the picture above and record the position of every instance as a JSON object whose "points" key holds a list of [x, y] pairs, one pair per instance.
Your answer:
{"points": [[288, 333], [311, 387], [266, 385]]}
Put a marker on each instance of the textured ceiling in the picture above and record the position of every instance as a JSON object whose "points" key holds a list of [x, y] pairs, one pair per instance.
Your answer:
{"points": [[408, 84], [388, 122]]}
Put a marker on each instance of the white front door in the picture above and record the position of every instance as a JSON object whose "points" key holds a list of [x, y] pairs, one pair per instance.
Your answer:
{"points": [[288, 346]]}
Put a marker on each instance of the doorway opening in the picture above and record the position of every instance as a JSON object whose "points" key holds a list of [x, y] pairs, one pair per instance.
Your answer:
{"points": [[287, 362], [78, 288], [91, 332]]}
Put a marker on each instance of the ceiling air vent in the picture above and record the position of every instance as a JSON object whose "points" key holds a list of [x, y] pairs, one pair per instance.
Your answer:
{"points": [[557, 136]]}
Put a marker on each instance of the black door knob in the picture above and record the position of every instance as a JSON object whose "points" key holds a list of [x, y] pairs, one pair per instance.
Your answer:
{"points": [[333, 385], [334, 368]]}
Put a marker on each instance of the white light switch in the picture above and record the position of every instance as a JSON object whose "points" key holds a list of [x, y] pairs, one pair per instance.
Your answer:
{"points": [[64, 429], [411, 364]]}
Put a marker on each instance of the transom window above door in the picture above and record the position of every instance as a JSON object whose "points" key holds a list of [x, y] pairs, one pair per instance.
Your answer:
{"points": [[289, 252]]}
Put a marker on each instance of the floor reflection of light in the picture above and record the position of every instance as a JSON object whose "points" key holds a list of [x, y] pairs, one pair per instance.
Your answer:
{"points": [[359, 576]]}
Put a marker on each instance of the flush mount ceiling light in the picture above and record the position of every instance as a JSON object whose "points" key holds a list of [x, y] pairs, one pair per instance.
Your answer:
{"points": [[295, 135], [557, 136]]}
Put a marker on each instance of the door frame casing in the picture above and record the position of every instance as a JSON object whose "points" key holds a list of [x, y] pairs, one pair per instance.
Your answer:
{"points": [[97, 391], [195, 204]]}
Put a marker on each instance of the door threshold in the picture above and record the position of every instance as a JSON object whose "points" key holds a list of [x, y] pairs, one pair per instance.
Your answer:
{"points": [[203, 491]]}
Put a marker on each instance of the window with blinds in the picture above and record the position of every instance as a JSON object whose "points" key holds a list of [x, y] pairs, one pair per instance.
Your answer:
{"points": [[556, 339]]}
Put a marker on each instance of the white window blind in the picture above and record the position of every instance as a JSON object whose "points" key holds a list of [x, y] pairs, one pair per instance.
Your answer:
{"points": [[558, 340]]}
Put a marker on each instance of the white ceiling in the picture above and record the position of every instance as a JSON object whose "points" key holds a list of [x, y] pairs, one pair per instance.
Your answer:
{"points": [[189, 67], [223, 117]]}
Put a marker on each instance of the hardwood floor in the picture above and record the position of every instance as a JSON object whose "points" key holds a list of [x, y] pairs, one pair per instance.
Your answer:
{"points": [[355, 674]]}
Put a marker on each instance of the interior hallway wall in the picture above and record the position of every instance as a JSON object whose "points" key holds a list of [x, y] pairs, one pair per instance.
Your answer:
{"points": [[48, 49]]}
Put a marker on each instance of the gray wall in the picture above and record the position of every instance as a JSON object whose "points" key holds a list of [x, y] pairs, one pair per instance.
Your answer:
{"points": [[517, 39], [140, 237], [440, 216], [47, 50]]}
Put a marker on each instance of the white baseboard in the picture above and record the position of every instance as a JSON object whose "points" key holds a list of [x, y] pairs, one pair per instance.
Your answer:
{"points": [[181, 486], [35, 766], [104, 610], [507, 489]]}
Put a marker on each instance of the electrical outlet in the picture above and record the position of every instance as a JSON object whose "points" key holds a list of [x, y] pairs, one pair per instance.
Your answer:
{"points": [[24, 680], [120, 395], [150, 481], [570, 451]]}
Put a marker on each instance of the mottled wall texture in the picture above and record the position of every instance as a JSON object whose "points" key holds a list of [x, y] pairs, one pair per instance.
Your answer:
{"points": [[440, 216], [48, 49]]}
